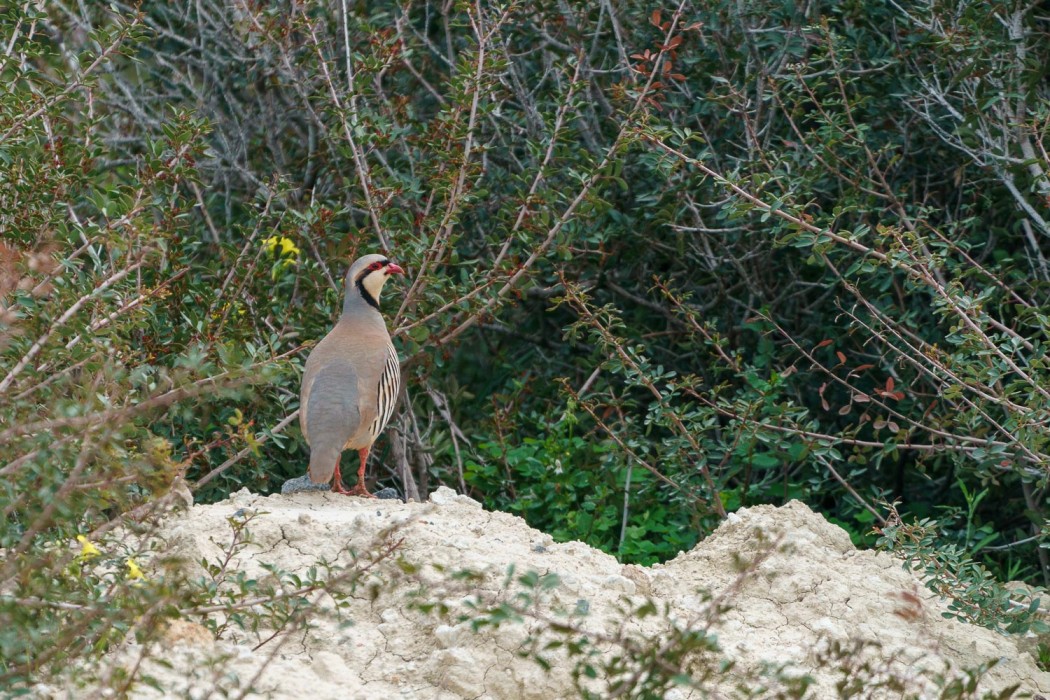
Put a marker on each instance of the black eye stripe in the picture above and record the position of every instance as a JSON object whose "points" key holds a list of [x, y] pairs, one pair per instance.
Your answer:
{"points": [[378, 265]]}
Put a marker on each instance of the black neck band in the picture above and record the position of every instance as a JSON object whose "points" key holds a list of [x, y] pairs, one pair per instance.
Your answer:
{"points": [[364, 292]]}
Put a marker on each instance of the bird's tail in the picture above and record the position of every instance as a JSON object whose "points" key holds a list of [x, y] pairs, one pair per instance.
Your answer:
{"points": [[322, 464]]}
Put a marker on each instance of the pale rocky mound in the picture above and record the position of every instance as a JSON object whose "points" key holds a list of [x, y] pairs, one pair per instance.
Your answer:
{"points": [[813, 590]]}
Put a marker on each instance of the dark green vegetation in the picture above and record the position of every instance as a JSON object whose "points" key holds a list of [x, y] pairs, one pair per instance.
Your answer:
{"points": [[664, 262]]}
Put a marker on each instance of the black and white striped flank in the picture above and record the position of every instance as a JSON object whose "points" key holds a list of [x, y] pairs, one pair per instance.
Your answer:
{"points": [[389, 386]]}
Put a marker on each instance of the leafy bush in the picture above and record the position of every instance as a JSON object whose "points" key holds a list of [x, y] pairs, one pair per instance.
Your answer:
{"points": [[974, 594]]}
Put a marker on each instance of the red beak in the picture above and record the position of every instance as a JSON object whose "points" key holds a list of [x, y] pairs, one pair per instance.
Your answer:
{"points": [[394, 269]]}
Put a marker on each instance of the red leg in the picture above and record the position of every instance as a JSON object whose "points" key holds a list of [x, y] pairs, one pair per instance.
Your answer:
{"points": [[360, 489], [337, 480]]}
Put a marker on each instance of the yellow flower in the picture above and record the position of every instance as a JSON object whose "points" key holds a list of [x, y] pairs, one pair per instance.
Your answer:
{"points": [[87, 550], [134, 572], [283, 247]]}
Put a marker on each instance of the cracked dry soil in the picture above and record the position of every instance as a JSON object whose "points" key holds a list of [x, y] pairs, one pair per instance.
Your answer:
{"points": [[815, 589]]}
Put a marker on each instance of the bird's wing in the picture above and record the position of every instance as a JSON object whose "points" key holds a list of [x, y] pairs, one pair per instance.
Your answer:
{"points": [[331, 409]]}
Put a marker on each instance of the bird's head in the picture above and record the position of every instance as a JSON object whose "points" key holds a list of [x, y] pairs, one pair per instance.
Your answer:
{"points": [[367, 276]]}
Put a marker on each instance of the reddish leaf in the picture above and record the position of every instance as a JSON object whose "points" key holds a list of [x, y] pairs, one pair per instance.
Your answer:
{"points": [[898, 395], [861, 398], [674, 42], [860, 368], [842, 357], [677, 76], [667, 66], [823, 344], [639, 56], [823, 401], [845, 409], [655, 18], [889, 384]]}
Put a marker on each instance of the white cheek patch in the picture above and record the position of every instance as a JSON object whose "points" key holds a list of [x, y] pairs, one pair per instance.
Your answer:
{"points": [[373, 283]]}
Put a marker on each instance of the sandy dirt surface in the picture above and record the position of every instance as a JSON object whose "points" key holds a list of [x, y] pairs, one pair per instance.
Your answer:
{"points": [[811, 593]]}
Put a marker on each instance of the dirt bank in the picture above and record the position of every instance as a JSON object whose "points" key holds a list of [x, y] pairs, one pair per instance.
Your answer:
{"points": [[812, 605]]}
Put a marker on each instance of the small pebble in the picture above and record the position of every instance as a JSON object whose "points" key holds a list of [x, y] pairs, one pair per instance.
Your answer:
{"points": [[303, 483]]}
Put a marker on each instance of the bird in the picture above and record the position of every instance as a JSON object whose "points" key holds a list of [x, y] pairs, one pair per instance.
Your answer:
{"points": [[351, 379]]}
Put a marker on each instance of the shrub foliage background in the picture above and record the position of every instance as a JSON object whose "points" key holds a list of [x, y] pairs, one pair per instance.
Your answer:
{"points": [[665, 262]]}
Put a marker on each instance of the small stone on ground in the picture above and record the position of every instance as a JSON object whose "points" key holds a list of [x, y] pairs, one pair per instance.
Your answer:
{"points": [[303, 483]]}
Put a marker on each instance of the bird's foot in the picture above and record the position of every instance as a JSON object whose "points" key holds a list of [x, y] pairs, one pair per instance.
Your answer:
{"points": [[358, 490]]}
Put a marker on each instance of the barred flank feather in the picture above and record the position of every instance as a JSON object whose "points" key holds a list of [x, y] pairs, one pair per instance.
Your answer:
{"points": [[389, 385]]}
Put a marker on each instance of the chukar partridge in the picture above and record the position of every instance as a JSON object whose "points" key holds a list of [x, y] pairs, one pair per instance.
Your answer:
{"points": [[352, 378]]}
